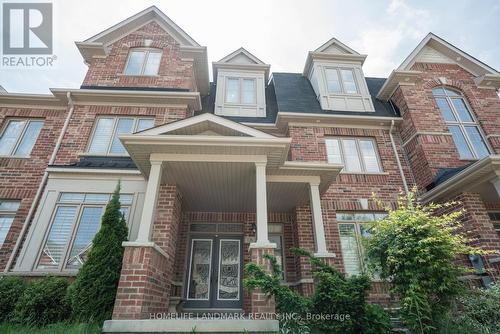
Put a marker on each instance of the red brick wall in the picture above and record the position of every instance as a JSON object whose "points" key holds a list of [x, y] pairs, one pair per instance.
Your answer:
{"points": [[174, 72], [429, 152], [20, 177], [77, 136]]}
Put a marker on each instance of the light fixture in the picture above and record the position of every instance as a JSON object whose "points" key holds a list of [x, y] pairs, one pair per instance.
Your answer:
{"points": [[254, 228]]}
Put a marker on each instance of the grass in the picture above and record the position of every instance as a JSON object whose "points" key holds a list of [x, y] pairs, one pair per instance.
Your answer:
{"points": [[60, 328]]}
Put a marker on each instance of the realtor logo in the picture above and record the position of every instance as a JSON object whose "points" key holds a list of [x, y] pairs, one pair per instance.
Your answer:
{"points": [[27, 28]]}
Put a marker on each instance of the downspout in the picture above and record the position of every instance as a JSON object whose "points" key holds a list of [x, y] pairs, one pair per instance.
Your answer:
{"points": [[400, 167], [45, 176]]}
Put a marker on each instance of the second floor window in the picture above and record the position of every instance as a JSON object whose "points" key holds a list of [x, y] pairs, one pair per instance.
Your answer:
{"points": [[143, 62], [461, 124], [341, 81], [240, 91], [107, 129], [19, 136], [356, 154]]}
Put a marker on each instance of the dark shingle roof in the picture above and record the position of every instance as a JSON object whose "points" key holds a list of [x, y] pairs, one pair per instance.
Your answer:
{"points": [[292, 92], [444, 174], [102, 162]]}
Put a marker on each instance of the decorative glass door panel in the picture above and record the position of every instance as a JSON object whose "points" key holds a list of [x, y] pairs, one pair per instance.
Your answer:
{"points": [[215, 271], [229, 270], [200, 271]]}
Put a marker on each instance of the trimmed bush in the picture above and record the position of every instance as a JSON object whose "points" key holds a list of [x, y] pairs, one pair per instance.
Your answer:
{"points": [[93, 293], [43, 302], [11, 289]]}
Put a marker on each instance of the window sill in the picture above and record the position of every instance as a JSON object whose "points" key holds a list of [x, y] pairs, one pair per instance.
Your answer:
{"points": [[231, 104], [364, 173], [139, 75], [40, 273], [14, 157]]}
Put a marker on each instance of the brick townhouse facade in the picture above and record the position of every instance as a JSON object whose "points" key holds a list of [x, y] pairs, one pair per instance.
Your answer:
{"points": [[216, 174]]}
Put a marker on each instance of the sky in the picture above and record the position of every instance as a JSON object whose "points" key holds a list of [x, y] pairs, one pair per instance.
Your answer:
{"points": [[279, 32]]}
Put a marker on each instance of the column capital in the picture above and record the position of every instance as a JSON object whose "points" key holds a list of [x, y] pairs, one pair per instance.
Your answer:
{"points": [[314, 183], [156, 162], [260, 163]]}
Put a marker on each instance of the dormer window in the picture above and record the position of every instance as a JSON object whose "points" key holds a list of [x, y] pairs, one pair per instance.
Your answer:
{"points": [[143, 62], [341, 81], [240, 91]]}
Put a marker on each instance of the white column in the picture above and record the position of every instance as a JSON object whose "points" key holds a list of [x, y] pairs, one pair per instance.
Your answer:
{"points": [[148, 210], [496, 184], [261, 207], [317, 217]]}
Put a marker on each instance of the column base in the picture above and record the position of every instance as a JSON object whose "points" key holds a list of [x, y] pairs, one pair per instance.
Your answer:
{"points": [[266, 245]]}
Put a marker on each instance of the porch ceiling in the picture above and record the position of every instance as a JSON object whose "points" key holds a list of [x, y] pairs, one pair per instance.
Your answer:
{"points": [[229, 187]]}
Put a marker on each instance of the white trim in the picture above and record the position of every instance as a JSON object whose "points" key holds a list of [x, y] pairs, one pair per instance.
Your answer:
{"points": [[164, 129], [239, 51], [208, 157], [145, 244], [92, 171]]}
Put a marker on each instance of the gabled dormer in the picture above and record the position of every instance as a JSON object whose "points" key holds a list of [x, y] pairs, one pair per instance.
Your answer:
{"points": [[241, 79], [336, 75], [146, 50]]}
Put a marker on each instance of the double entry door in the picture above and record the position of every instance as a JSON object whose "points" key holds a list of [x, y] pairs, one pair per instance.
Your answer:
{"points": [[215, 270]]}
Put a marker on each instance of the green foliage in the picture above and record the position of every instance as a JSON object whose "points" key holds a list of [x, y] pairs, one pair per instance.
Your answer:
{"points": [[376, 320], [43, 302], [11, 288], [334, 295], [416, 247], [59, 328], [476, 311], [93, 293]]}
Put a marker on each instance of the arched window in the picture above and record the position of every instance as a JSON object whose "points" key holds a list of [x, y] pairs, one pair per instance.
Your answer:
{"points": [[461, 123]]}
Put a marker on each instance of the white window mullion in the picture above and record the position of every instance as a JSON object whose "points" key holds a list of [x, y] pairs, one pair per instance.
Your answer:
{"points": [[76, 222], [360, 156]]}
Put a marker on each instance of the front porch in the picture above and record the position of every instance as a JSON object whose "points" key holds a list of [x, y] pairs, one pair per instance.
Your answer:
{"points": [[219, 195]]}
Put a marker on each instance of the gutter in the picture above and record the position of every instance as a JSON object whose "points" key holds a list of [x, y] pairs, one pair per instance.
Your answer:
{"points": [[400, 167], [71, 108]]}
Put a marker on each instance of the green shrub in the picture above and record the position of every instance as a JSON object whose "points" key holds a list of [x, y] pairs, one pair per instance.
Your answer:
{"points": [[476, 311], [43, 302], [11, 288], [416, 248], [334, 296], [93, 293], [376, 320]]}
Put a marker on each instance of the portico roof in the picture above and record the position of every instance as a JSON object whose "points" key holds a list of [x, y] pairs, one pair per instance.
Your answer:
{"points": [[212, 159]]}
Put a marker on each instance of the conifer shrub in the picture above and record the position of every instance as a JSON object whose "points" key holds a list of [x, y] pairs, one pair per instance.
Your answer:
{"points": [[93, 293]]}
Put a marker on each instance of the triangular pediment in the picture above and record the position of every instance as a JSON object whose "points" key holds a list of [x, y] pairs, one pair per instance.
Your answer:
{"points": [[241, 56], [433, 49], [150, 14], [205, 125], [334, 46]]}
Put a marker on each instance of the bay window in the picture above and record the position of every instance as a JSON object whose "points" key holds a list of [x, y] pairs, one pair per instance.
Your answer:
{"points": [[463, 127], [75, 221], [105, 139], [356, 154], [19, 136]]}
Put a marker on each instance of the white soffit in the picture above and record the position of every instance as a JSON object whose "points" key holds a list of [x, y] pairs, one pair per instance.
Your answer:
{"points": [[241, 59], [333, 50]]}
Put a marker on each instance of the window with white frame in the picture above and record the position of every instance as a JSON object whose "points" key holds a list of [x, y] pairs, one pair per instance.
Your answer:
{"points": [[463, 127], [352, 227], [276, 236], [8, 211], [356, 154], [19, 136], [105, 139], [241, 91], [341, 81], [143, 61], [75, 221], [495, 218]]}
